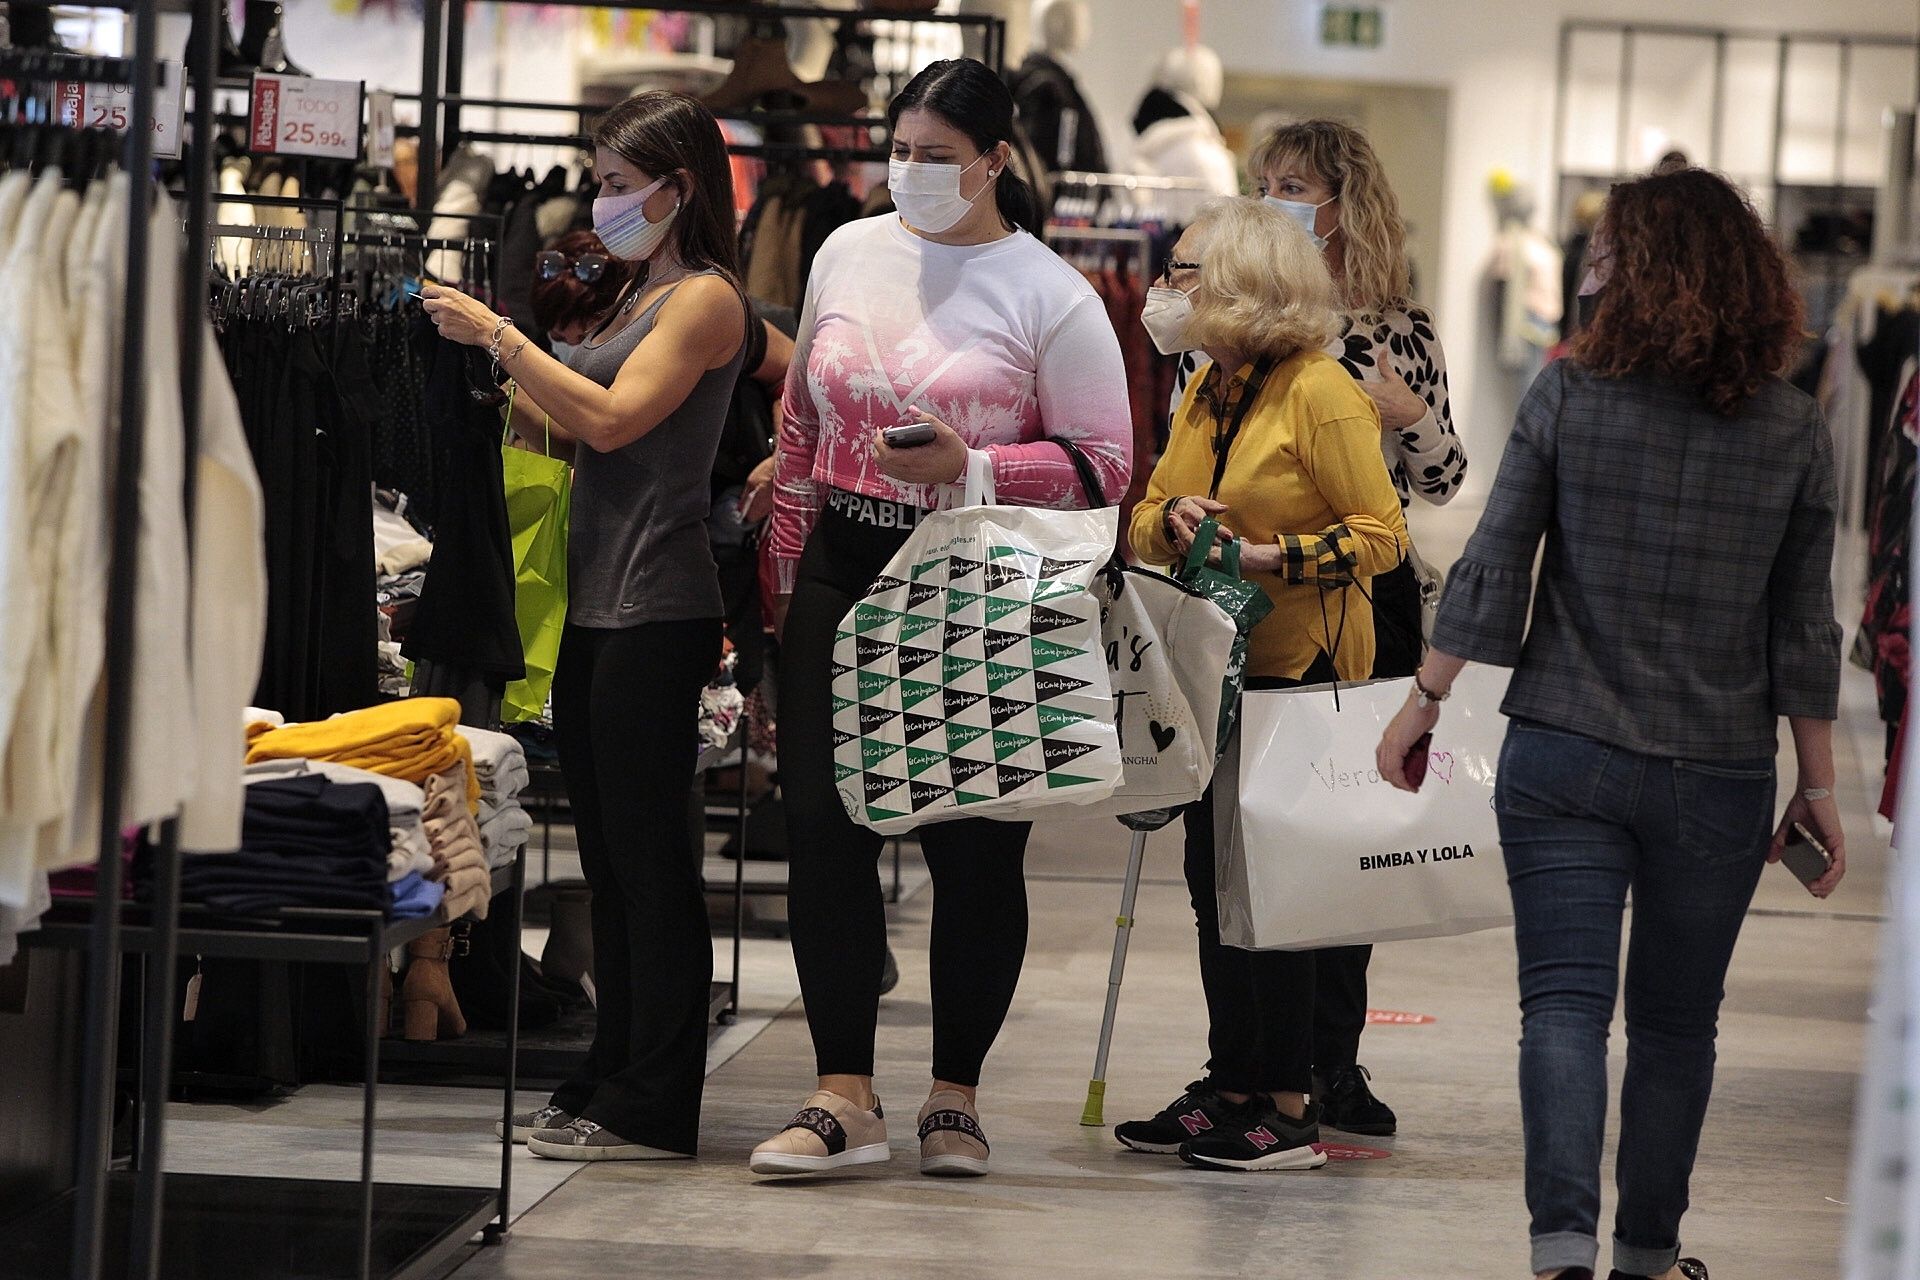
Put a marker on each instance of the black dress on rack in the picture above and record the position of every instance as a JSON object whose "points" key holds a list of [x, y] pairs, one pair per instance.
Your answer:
{"points": [[464, 638]]}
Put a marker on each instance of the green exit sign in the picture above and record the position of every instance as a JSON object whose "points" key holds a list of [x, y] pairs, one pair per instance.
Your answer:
{"points": [[1352, 26]]}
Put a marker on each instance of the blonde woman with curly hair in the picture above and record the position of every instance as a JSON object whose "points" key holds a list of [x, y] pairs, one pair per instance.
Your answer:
{"points": [[1324, 174], [1280, 445]]}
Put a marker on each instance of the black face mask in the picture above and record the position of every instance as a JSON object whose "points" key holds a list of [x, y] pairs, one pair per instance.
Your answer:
{"points": [[1583, 308]]}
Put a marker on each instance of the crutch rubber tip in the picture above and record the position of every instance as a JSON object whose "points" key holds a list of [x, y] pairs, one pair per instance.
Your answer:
{"points": [[1096, 1095]]}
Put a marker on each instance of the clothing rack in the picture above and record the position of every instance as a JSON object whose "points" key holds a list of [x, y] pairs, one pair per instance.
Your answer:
{"points": [[443, 60], [1130, 181], [216, 1219]]}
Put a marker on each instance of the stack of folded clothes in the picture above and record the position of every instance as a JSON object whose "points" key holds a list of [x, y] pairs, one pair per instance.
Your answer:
{"points": [[459, 861], [500, 764], [413, 739], [409, 853], [306, 841]]}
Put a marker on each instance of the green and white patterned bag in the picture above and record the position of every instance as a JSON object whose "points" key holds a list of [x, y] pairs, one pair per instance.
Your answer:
{"points": [[971, 681]]}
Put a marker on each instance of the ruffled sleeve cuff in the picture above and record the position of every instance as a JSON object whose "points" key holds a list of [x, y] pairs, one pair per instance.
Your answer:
{"points": [[1483, 613], [1804, 661]]}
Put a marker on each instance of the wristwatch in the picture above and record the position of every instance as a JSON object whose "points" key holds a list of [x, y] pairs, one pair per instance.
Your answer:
{"points": [[1424, 697]]}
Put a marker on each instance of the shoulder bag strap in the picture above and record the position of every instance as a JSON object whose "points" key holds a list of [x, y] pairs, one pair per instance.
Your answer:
{"points": [[1089, 478], [1223, 439]]}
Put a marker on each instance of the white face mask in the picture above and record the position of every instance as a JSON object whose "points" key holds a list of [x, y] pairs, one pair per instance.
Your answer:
{"points": [[928, 195], [621, 223], [1168, 315], [1304, 214]]}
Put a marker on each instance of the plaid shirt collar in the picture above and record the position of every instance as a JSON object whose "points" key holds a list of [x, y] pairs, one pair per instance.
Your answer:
{"points": [[1222, 394]]}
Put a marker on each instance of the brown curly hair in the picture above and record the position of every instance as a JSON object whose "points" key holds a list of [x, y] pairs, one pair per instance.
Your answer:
{"points": [[1694, 288]]}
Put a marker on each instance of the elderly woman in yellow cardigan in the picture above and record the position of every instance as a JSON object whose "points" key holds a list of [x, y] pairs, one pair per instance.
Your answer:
{"points": [[1282, 448]]}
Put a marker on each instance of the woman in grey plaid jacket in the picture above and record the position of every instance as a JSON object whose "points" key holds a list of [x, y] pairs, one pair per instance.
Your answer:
{"points": [[1686, 496]]}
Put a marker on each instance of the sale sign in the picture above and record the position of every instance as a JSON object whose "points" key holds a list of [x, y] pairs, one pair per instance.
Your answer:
{"points": [[81, 105], [300, 116]]}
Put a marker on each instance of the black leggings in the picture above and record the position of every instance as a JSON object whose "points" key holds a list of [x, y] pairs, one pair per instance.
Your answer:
{"points": [[835, 906], [626, 709]]}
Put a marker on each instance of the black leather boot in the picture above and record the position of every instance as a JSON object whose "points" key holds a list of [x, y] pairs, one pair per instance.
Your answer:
{"points": [[263, 40]]}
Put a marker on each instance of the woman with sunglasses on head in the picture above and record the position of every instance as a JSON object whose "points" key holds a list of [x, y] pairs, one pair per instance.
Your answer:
{"points": [[1278, 444], [949, 313], [1686, 495], [645, 397], [1325, 175]]}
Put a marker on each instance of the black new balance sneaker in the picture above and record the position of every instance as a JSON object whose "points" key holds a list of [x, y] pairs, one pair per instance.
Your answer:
{"points": [[1349, 1104], [1195, 1112], [1255, 1137]]}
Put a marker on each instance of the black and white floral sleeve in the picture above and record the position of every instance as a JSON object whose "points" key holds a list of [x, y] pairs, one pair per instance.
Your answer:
{"points": [[1429, 460]]}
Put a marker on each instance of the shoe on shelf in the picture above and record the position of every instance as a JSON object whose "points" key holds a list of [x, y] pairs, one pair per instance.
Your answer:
{"points": [[829, 1132], [528, 1123], [952, 1144], [1254, 1137], [1691, 1268], [1348, 1104], [1193, 1113], [582, 1139]]}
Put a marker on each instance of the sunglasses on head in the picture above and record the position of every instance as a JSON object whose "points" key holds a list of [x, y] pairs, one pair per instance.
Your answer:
{"points": [[588, 268]]}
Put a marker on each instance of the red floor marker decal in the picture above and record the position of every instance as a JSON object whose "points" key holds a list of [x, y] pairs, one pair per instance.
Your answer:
{"points": [[1391, 1018], [1341, 1151]]}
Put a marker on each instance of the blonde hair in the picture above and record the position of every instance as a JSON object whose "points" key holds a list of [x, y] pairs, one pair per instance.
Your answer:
{"points": [[1264, 289], [1375, 252]]}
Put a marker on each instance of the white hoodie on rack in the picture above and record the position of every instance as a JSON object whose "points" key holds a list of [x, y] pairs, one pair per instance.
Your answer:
{"points": [[1188, 146]]}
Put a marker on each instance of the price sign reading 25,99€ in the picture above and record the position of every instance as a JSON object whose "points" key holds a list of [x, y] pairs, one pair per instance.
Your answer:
{"points": [[296, 116]]}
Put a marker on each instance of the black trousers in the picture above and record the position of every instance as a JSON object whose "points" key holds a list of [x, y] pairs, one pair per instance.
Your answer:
{"points": [[1260, 1004], [626, 716], [835, 905], [1340, 973]]}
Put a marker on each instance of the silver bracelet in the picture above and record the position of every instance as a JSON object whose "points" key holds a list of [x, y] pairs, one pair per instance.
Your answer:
{"points": [[493, 347], [1812, 794]]}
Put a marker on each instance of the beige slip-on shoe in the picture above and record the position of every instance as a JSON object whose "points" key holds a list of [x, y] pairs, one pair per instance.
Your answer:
{"points": [[952, 1144], [829, 1132]]}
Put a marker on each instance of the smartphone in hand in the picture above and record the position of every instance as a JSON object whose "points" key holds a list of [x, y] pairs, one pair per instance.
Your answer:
{"points": [[909, 435], [1416, 762], [1805, 856]]}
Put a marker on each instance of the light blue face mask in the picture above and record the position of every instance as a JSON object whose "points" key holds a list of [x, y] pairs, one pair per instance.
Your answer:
{"points": [[1304, 214]]}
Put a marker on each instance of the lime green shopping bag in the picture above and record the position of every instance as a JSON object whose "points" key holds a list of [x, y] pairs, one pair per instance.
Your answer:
{"points": [[539, 493]]}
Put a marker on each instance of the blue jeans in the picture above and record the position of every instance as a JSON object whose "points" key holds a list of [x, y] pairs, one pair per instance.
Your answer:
{"points": [[1581, 823]]}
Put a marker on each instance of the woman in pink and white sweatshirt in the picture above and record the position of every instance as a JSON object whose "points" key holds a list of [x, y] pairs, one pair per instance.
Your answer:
{"points": [[949, 313]]}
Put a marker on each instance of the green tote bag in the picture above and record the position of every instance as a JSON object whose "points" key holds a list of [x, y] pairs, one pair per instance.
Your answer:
{"points": [[1239, 599], [539, 493]]}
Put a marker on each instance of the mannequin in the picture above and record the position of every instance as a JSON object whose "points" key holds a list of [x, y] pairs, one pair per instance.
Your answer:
{"points": [[1177, 134], [1525, 270], [1052, 109]]}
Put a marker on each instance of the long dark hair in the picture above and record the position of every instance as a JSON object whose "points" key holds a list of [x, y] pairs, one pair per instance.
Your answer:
{"points": [[967, 95], [1695, 289], [662, 133]]}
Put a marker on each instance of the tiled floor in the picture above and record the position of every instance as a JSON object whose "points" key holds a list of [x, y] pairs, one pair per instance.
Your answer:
{"points": [[1065, 1201]]}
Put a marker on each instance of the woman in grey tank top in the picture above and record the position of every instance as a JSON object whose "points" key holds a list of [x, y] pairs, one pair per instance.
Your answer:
{"points": [[646, 398]]}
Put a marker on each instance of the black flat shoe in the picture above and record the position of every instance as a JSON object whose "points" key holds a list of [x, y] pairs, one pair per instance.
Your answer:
{"points": [[1691, 1268]]}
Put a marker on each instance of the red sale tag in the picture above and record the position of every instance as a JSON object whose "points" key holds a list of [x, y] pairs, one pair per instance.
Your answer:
{"points": [[299, 116]]}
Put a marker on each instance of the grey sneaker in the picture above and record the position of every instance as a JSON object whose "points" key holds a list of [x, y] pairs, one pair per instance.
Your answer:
{"points": [[528, 1123], [582, 1139]]}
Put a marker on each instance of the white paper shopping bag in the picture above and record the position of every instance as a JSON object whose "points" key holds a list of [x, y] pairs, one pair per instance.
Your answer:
{"points": [[1321, 851]]}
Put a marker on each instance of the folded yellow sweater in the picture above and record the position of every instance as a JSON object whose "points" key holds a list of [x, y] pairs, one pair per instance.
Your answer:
{"points": [[413, 739]]}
